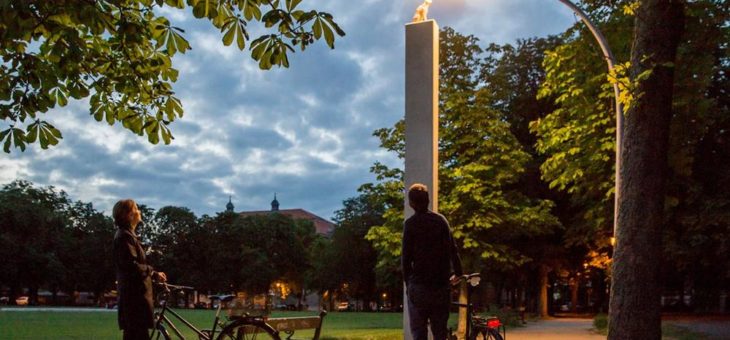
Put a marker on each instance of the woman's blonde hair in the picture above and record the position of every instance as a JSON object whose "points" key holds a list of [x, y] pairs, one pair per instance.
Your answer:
{"points": [[122, 213]]}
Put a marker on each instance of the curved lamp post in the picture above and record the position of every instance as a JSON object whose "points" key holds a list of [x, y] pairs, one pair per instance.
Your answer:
{"points": [[611, 61]]}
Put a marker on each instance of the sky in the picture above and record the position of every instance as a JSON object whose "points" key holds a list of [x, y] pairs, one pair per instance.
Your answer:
{"points": [[302, 133]]}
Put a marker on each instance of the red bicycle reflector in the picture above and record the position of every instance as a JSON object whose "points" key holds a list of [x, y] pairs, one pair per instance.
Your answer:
{"points": [[494, 323]]}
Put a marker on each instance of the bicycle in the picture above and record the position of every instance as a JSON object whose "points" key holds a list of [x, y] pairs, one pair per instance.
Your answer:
{"points": [[487, 327], [238, 327]]}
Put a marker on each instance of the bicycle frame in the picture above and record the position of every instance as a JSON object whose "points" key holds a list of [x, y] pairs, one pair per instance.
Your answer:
{"points": [[469, 309], [471, 319], [161, 318]]}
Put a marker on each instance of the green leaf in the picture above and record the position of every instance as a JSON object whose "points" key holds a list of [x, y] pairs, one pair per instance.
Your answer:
{"points": [[179, 42], [171, 48], [271, 18], [251, 10], [50, 138], [259, 47], [292, 4], [331, 23], [241, 36], [55, 132], [199, 10], [173, 108], [19, 138], [329, 36], [166, 135], [32, 134], [152, 129], [228, 37], [317, 28], [110, 116], [297, 15], [6, 136], [59, 96]]}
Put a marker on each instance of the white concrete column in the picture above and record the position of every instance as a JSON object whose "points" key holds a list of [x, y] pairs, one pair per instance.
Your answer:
{"points": [[422, 92]]}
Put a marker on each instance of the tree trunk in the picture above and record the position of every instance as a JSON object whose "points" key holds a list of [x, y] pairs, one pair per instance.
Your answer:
{"points": [[574, 294], [634, 307], [331, 301], [54, 296], [33, 296], [542, 309]]}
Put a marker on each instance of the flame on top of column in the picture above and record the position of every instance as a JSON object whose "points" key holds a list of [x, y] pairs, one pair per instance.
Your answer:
{"points": [[422, 11]]}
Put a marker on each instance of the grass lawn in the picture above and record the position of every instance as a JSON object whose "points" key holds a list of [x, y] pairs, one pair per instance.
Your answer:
{"points": [[103, 325]]}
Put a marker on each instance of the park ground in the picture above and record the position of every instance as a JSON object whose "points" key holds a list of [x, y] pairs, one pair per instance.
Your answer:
{"points": [[675, 327], [63, 323]]}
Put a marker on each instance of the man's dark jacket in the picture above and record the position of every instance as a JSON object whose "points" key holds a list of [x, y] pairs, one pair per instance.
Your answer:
{"points": [[429, 252], [134, 282]]}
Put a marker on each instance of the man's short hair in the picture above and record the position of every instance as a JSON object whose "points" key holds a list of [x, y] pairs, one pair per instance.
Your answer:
{"points": [[418, 196]]}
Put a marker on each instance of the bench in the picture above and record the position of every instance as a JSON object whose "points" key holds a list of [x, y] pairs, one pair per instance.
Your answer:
{"points": [[289, 325]]}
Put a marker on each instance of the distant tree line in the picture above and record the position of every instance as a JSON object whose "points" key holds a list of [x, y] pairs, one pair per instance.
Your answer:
{"points": [[50, 242]]}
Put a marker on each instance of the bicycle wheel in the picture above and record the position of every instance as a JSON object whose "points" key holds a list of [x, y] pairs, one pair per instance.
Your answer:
{"points": [[248, 330], [493, 334], [478, 334]]}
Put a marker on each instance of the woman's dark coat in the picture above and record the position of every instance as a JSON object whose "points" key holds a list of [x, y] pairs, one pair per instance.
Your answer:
{"points": [[134, 282]]}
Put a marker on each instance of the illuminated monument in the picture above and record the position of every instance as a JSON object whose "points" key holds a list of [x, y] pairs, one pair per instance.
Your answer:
{"points": [[422, 92], [422, 11]]}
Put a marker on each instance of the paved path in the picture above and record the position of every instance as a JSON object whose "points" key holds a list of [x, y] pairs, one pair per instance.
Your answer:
{"points": [[714, 327], [556, 329]]}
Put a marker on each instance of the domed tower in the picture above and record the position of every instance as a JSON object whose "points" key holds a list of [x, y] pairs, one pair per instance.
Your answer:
{"points": [[229, 206], [274, 204]]}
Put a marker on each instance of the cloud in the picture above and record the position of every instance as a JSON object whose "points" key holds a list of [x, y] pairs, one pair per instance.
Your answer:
{"points": [[503, 21]]}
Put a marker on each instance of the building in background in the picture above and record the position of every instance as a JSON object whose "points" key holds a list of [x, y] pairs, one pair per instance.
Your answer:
{"points": [[321, 225]]}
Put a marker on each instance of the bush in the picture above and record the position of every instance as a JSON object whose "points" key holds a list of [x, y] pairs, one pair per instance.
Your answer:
{"points": [[600, 323]]}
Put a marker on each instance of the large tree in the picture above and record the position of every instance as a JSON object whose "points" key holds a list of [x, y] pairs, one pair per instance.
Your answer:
{"points": [[119, 54], [634, 310], [32, 227], [695, 252], [352, 256], [86, 252], [172, 239], [230, 252], [577, 140]]}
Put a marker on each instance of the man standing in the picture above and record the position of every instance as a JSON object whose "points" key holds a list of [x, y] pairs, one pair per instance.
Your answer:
{"points": [[430, 262]]}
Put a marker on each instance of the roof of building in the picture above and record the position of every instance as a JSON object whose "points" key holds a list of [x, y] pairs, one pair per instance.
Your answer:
{"points": [[321, 225]]}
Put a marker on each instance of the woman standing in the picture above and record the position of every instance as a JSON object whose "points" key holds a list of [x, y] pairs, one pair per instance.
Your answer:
{"points": [[134, 275]]}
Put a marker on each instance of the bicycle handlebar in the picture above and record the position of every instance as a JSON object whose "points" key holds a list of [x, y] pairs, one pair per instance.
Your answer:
{"points": [[468, 277], [169, 287]]}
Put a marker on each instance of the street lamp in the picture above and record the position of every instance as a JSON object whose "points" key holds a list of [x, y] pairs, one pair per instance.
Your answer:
{"points": [[611, 61]]}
